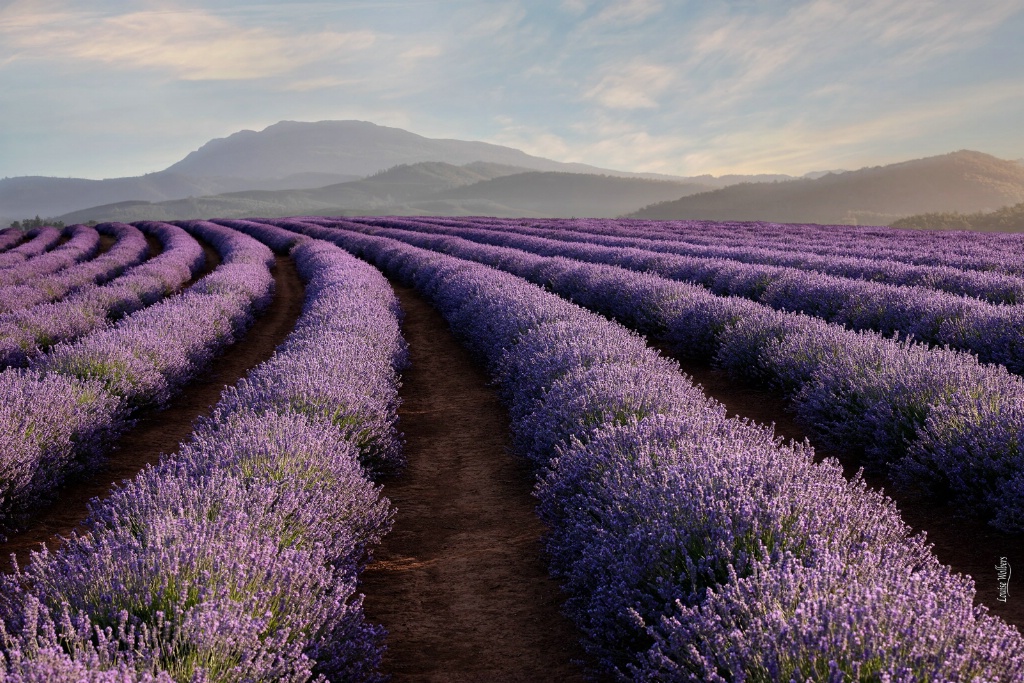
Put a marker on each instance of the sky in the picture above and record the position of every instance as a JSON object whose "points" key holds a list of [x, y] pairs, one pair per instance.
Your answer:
{"points": [[100, 89]]}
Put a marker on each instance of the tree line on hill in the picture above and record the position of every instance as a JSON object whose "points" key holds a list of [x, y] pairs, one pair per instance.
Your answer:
{"points": [[1006, 219], [37, 222]]}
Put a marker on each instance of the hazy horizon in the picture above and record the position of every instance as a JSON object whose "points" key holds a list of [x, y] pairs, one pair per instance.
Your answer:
{"points": [[101, 89]]}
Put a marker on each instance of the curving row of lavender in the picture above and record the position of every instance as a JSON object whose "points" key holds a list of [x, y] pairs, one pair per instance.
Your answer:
{"points": [[149, 355], [38, 241], [995, 333], [359, 348], [65, 408], [83, 243], [936, 419], [237, 558], [90, 305], [959, 249], [9, 237], [696, 547], [989, 285], [129, 248]]}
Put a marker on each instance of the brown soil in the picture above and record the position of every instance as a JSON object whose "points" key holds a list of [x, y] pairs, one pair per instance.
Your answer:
{"points": [[459, 583], [211, 262], [967, 545], [106, 242], [155, 247], [159, 432]]}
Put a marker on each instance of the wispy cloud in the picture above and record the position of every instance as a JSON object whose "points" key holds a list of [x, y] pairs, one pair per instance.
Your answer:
{"points": [[635, 86], [419, 53], [627, 11], [535, 140], [320, 83], [650, 85], [500, 23], [600, 141], [807, 144], [188, 44], [574, 6], [807, 42]]}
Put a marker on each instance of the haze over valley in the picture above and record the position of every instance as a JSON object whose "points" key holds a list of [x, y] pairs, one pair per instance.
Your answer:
{"points": [[202, 107], [359, 168]]}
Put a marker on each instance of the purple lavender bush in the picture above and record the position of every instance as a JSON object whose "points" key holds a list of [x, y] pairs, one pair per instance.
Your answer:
{"points": [[38, 241], [147, 356], [870, 620], [992, 332], [95, 384], [50, 426], [237, 558], [90, 306], [869, 261], [349, 332], [936, 419], [83, 243], [9, 237], [657, 509], [854, 390], [873, 248], [278, 239]]}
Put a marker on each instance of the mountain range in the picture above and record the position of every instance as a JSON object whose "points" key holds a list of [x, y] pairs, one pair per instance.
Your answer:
{"points": [[356, 167], [288, 155], [963, 181], [428, 187]]}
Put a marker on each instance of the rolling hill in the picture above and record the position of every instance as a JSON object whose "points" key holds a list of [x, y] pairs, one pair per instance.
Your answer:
{"points": [[290, 156], [424, 188], [963, 181], [349, 147], [561, 195], [27, 196], [356, 167], [1006, 219]]}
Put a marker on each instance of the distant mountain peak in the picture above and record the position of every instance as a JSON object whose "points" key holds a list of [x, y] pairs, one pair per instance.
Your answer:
{"points": [[346, 147], [814, 175]]}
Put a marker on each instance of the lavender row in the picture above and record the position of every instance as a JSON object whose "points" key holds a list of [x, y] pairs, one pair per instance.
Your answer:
{"points": [[293, 378], [83, 243], [278, 239], [995, 333], [39, 240], [50, 427], [9, 237], [965, 250], [129, 249], [112, 373], [149, 355], [935, 419], [26, 333], [692, 546], [990, 286], [350, 333], [237, 558]]}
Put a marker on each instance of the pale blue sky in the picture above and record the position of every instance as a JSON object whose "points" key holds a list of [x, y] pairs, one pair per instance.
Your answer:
{"points": [[104, 88]]}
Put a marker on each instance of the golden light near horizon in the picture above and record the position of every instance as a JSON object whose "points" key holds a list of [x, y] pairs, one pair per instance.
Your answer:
{"points": [[642, 85]]}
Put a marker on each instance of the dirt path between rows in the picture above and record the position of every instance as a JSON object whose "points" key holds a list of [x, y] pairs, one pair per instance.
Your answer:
{"points": [[968, 546], [459, 583], [159, 432]]}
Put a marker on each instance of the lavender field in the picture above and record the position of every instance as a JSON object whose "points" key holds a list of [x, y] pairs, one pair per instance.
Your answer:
{"points": [[688, 543]]}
